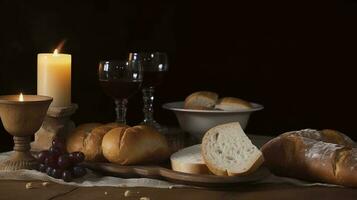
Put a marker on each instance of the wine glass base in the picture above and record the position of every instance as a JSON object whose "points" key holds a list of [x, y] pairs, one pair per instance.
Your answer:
{"points": [[19, 160], [162, 129]]}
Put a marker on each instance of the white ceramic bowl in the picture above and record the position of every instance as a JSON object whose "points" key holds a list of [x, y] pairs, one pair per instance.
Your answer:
{"points": [[197, 122]]}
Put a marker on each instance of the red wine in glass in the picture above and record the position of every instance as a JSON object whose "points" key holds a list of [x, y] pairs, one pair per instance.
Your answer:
{"points": [[120, 80], [155, 67], [120, 89]]}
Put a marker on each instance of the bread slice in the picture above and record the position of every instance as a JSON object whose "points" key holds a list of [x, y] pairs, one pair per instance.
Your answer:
{"points": [[227, 151], [232, 104], [202, 100], [189, 160]]}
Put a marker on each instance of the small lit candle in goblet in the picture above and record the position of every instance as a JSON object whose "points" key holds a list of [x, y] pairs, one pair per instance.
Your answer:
{"points": [[21, 97], [22, 116]]}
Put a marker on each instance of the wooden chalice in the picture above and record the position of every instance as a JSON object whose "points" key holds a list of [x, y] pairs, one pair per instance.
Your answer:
{"points": [[22, 116]]}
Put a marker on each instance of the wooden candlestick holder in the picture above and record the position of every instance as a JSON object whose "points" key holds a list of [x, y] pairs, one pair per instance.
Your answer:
{"points": [[56, 124]]}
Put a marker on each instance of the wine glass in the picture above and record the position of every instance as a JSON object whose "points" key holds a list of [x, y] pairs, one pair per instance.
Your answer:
{"points": [[120, 80], [155, 66]]}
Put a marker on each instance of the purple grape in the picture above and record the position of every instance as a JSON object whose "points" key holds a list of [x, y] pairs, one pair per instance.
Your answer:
{"points": [[49, 171], [51, 161], [55, 151], [76, 157], [67, 175], [59, 143], [42, 167], [42, 156], [79, 171], [64, 161], [56, 173]]}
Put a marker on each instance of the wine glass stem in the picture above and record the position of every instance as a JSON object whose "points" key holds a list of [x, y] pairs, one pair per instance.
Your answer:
{"points": [[121, 110], [148, 97]]}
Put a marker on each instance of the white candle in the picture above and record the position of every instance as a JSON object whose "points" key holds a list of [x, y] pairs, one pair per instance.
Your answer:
{"points": [[54, 77]]}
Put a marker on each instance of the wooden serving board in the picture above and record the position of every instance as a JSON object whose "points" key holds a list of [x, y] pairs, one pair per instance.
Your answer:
{"points": [[165, 173]]}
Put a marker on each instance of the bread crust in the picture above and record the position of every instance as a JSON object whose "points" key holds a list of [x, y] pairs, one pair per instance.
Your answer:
{"points": [[111, 144], [232, 101], [325, 156], [191, 100], [191, 168], [134, 145], [74, 140], [87, 138]]}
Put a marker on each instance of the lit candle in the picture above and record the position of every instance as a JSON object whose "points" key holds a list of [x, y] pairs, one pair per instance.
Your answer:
{"points": [[54, 77], [21, 97]]}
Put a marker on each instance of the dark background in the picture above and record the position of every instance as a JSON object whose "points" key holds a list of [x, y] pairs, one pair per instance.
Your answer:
{"points": [[295, 58]]}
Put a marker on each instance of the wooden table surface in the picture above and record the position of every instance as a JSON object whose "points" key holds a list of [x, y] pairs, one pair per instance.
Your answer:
{"points": [[13, 190]]}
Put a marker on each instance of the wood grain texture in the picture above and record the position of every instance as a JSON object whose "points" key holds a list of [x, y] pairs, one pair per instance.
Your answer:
{"points": [[165, 173], [15, 190]]}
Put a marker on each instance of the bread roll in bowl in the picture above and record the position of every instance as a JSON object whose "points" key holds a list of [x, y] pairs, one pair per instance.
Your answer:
{"points": [[202, 100], [232, 104], [134, 145]]}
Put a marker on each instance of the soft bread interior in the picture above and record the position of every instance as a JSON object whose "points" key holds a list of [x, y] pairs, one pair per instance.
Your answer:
{"points": [[227, 150], [190, 155]]}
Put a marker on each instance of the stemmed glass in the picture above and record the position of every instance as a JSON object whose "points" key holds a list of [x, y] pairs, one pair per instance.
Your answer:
{"points": [[120, 80], [155, 66]]}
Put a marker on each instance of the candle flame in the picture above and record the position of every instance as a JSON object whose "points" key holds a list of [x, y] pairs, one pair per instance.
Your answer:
{"points": [[55, 52], [60, 45], [21, 97]]}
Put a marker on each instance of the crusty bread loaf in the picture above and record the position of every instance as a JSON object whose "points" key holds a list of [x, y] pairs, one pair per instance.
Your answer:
{"points": [[87, 138], [227, 151], [325, 156], [232, 104], [134, 145], [202, 100], [189, 160]]}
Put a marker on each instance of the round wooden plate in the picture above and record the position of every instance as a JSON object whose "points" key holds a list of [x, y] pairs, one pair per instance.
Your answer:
{"points": [[159, 172]]}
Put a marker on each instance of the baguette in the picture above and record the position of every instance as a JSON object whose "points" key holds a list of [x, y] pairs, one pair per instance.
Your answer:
{"points": [[87, 138], [134, 145], [326, 156]]}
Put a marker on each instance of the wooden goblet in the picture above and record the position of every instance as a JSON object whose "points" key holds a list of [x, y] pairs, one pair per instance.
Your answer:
{"points": [[22, 118]]}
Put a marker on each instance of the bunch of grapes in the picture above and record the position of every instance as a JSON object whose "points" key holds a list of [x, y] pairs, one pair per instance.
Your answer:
{"points": [[57, 163]]}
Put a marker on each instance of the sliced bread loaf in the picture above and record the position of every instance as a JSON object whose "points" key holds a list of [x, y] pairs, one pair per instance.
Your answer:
{"points": [[227, 151], [189, 160]]}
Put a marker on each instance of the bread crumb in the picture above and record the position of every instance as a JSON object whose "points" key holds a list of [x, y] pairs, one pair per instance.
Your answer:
{"points": [[127, 193], [144, 198], [45, 184], [28, 185], [170, 187], [105, 193]]}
